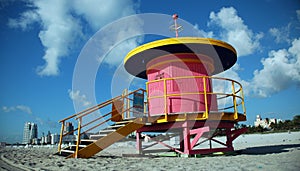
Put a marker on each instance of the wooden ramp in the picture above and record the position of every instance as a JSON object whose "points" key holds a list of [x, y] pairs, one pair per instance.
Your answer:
{"points": [[108, 140]]}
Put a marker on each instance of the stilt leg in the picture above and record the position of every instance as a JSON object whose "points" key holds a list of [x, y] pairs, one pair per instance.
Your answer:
{"points": [[229, 139], [186, 139], [181, 140], [139, 143]]}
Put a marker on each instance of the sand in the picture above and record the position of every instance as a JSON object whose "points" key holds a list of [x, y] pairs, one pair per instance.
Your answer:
{"points": [[278, 151]]}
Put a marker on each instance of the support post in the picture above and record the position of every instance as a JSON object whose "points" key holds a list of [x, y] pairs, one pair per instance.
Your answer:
{"points": [[205, 97], [127, 104], [139, 142], [238, 132], [229, 139], [243, 101], [165, 100], [78, 137], [61, 135], [186, 139], [234, 101], [181, 140]]}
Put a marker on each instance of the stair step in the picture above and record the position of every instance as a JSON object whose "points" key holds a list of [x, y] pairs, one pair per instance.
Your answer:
{"points": [[123, 122], [116, 126], [80, 146], [97, 136], [73, 147], [86, 141], [107, 130], [67, 151]]}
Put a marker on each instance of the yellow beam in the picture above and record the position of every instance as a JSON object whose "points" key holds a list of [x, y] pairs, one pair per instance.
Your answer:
{"points": [[213, 116], [205, 97]]}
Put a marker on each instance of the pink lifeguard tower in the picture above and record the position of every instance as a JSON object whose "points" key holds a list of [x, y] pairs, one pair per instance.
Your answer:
{"points": [[179, 99], [180, 93]]}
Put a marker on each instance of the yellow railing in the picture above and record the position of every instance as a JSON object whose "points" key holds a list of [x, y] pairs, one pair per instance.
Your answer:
{"points": [[236, 94], [126, 111]]}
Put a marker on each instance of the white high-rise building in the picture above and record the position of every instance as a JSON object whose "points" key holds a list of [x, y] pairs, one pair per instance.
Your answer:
{"points": [[54, 138], [30, 132]]}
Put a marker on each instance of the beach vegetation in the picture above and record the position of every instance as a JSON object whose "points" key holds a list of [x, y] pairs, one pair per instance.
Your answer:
{"points": [[281, 126]]}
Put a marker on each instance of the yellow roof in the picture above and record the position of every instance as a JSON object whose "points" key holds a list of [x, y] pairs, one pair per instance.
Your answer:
{"points": [[136, 60]]}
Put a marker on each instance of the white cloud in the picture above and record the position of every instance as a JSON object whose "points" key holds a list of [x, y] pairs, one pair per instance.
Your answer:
{"points": [[27, 109], [113, 40], [281, 70], [101, 12], [61, 23], [60, 30], [203, 33], [26, 19], [235, 31], [21, 108], [79, 98], [281, 34]]}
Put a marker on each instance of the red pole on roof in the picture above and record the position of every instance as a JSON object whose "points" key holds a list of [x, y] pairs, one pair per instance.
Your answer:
{"points": [[175, 17]]}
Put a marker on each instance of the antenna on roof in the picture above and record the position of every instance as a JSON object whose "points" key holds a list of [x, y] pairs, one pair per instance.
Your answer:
{"points": [[176, 28]]}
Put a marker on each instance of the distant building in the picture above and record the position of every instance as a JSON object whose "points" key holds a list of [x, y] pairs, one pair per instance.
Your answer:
{"points": [[265, 123], [30, 132], [69, 128], [46, 139], [43, 140], [35, 141], [54, 139]]}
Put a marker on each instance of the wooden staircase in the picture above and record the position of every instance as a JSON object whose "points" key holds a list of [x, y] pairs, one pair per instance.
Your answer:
{"points": [[105, 138], [85, 148], [109, 129]]}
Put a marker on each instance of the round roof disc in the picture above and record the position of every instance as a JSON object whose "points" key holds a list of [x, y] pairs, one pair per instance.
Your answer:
{"points": [[223, 54]]}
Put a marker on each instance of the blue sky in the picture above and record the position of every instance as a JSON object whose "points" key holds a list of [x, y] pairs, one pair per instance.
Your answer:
{"points": [[42, 42]]}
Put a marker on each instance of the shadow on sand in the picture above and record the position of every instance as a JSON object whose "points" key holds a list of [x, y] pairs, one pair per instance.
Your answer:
{"points": [[261, 150], [269, 149]]}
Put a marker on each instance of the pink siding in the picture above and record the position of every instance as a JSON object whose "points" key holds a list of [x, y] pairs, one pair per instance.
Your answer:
{"points": [[170, 67]]}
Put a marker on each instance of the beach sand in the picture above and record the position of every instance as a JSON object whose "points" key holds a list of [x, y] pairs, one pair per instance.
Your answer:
{"points": [[277, 151]]}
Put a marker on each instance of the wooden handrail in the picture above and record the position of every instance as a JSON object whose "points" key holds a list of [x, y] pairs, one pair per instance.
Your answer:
{"points": [[79, 116], [90, 108], [102, 121], [106, 103]]}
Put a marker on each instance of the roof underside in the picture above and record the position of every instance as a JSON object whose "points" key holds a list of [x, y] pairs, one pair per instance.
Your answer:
{"points": [[223, 57]]}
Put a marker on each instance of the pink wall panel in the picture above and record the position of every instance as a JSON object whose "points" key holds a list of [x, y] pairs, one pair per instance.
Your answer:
{"points": [[179, 91]]}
